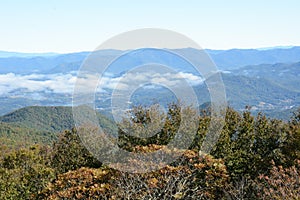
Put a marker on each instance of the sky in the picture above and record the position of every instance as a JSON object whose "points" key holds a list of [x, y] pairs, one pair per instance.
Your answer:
{"points": [[71, 26]]}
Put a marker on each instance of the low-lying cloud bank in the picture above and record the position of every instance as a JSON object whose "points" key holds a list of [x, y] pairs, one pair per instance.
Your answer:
{"points": [[11, 84], [56, 83]]}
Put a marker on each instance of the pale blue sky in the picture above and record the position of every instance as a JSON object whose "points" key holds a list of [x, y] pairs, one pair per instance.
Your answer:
{"points": [[72, 26]]}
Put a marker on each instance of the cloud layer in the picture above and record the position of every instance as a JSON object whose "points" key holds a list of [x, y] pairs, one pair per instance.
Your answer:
{"points": [[56, 83], [12, 84]]}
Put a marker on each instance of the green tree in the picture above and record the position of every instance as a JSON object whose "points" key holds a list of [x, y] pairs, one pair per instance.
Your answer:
{"points": [[24, 173], [70, 154], [146, 126]]}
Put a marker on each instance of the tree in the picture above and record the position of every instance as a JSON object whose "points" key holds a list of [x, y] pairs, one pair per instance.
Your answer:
{"points": [[146, 126], [24, 173], [70, 154]]}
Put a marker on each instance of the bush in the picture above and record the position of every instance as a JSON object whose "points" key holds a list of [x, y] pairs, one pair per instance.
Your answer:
{"points": [[282, 183], [191, 177]]}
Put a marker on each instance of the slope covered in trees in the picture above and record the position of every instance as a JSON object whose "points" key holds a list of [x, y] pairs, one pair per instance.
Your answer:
{"points": [[254, 158], [52, 119], [39, 125]]}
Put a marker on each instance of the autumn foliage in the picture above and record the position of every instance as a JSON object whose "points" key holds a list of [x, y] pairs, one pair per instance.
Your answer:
{"points": [[254, 158]]}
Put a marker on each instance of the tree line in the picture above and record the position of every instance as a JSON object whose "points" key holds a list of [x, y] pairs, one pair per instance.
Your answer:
{"points": [[255, 158]]}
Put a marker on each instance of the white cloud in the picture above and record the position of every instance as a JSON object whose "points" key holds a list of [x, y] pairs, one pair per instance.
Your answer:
{"points": [[163, 79], [57, 83], [64, 83]]}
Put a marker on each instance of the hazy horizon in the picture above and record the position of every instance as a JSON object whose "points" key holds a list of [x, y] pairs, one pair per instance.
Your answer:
{"points": [[81, 51]]}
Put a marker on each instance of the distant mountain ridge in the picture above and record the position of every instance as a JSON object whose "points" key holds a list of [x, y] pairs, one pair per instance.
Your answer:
{"points": [[224, 59], [236, 58], [285, 74], [6, 54], [258, 92], [29, 65]]}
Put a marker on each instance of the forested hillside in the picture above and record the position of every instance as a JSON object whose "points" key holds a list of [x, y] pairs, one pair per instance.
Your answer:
{"points": [[254, 158], [52, 119], [39, 125]]}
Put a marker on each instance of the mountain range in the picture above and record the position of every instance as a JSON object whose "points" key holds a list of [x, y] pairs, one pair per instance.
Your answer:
{"points": [[267, 80], [224, 59]]}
